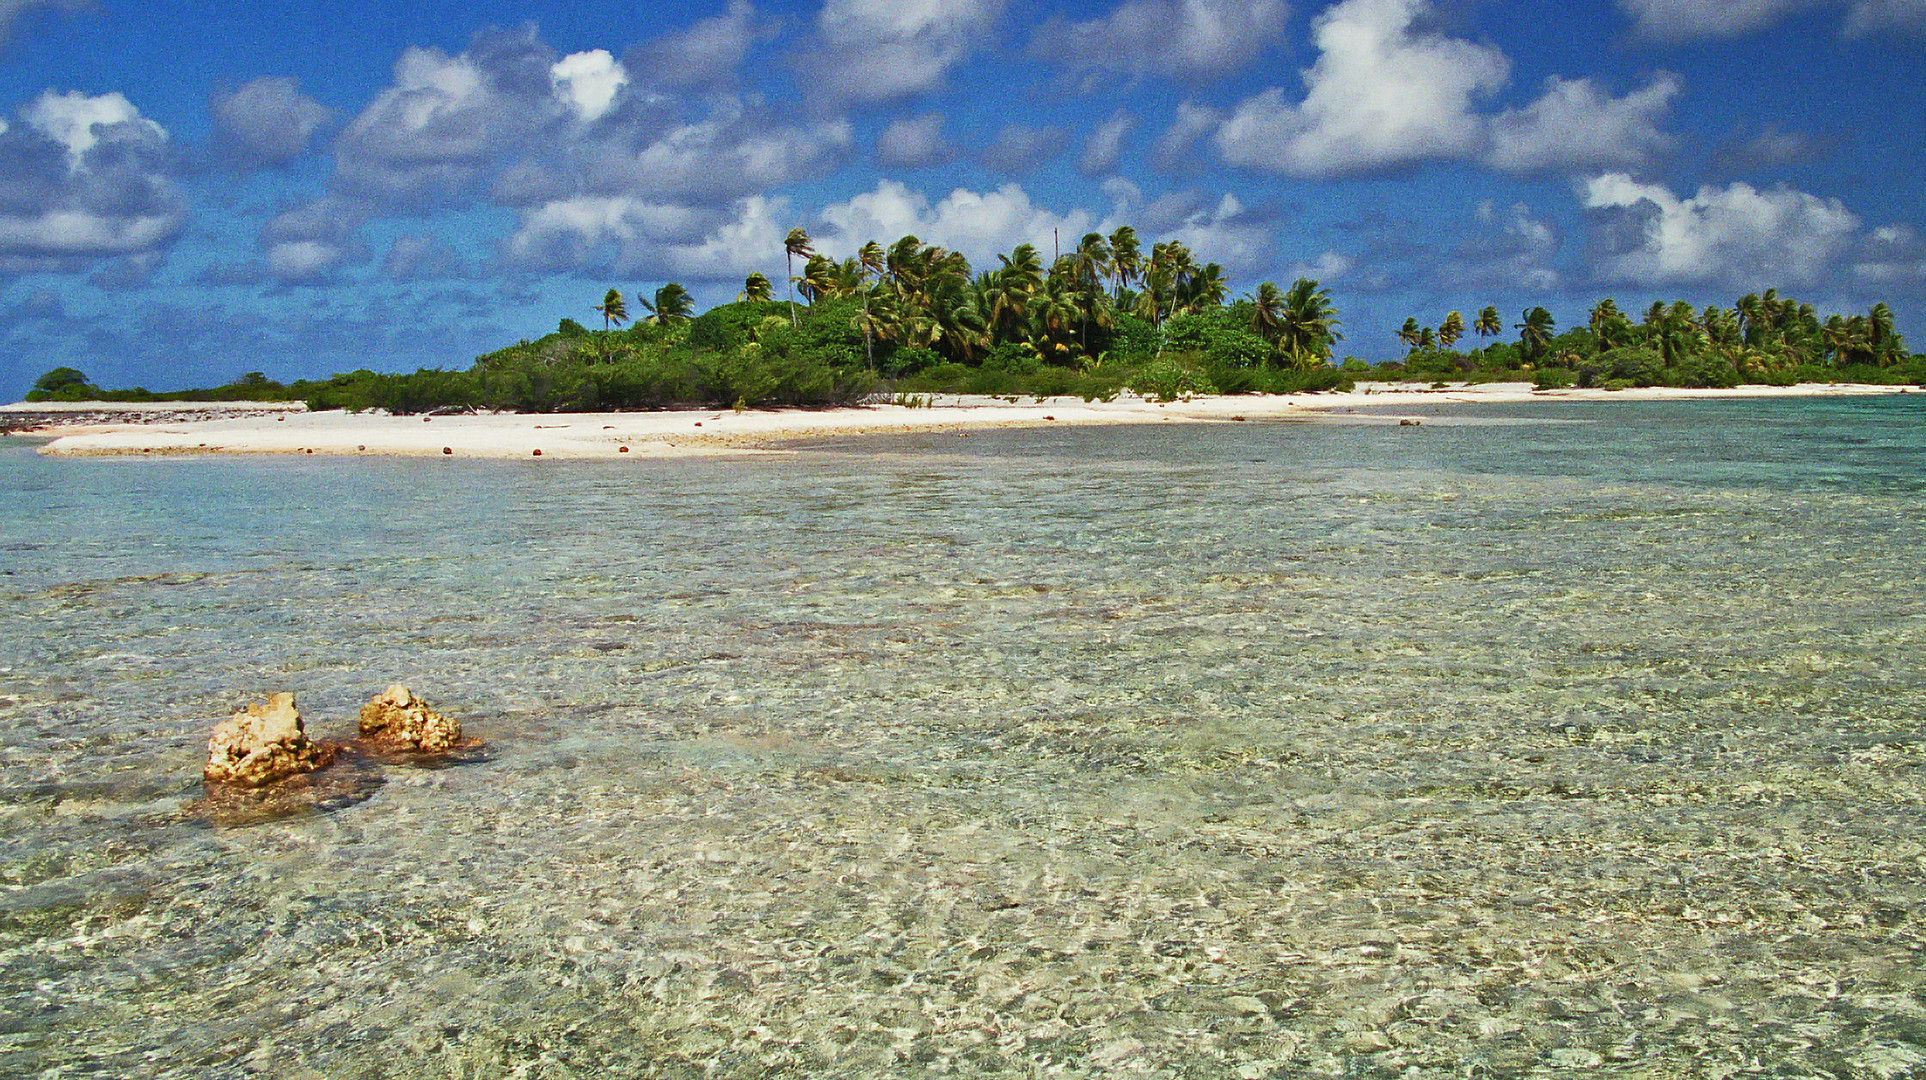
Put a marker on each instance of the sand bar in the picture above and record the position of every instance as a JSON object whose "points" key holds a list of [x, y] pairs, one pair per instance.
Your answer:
{"points": [[172, 428]]}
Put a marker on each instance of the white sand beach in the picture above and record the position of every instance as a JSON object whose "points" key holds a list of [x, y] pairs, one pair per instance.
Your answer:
{"points": [[107, 429]]}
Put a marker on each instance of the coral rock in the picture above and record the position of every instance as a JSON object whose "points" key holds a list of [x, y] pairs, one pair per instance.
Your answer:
{"points": [[261, 744], [398, 718]]}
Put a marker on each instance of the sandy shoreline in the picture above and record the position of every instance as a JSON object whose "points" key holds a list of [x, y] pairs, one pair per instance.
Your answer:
{"points": [[99, 429]]}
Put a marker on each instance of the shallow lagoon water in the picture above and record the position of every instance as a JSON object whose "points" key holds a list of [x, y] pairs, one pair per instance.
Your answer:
{"points": [[1535, 740]]}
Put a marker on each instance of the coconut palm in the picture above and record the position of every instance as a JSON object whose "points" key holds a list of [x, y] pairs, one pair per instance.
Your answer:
{"points": [[672, 303], [755, 288], [1427, 339], [1267, 312], [613, 308], [1535, 333], [1408, 333], [1451, 329], [819, 279], [1126, 259], [1206, 288], [1310, 323], [1489, 324], [796, 243]]}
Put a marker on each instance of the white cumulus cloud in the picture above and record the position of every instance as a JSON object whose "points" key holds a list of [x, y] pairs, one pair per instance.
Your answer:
{"points": [[85, 179], [1575, 125], [266, 121], [1182, 38], [914, 142], [980, 224], [1737, 235], [1104, 147], [883, 50], [1382, 94], [588, 82]]}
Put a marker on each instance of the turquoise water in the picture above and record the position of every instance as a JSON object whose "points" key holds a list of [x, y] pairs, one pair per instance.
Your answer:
{"points": [[1538, 738]]}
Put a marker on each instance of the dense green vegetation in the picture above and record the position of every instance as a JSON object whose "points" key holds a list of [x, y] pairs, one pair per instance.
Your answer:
{"points": [[914, 319], [1761, 339]]}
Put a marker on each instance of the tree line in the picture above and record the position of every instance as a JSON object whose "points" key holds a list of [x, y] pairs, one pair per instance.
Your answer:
{"points": [[1104, 317], [1762, 338]]}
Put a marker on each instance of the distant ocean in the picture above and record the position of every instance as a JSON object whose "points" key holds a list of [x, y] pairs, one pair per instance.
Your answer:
{"points": [[1548, 736]]}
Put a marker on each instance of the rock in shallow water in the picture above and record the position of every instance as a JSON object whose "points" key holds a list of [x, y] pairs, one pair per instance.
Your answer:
{"points": [[398, 718], [261, 744]]}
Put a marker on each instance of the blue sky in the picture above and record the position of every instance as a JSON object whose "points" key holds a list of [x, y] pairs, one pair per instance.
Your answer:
{"points": [[192, 191]]}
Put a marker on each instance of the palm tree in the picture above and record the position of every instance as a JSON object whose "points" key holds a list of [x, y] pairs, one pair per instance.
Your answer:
{"points": [[1427, 339], [613, 309], [1093, 262], [1126, 259], [873, 261], [1408, 333], [1886, 346], [1267, 312], [1206, 288], [672, 304], [1535, 333], [1489, 323], [797, 243], [1451, 329], [1310, 323], [819, 278], [755, 288]]}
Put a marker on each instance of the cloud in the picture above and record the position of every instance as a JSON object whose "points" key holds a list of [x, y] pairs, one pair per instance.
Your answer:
{"points": [[1381, 95], [1218, 229], [1772, 149], [1178, 38], [1176, 148], [309, 243], [1868, 17], [914, 142], [978, 224], [1737, 235], [1892, 255], [12, 10], [1104, 147], [415, 257], [85, 179], [1681, 20], [265, 122], [1020, 148], [726, 156], [510, 122], [869, 51], [587, 82], [1508, 248], [707, 54], [1577, 126], [435, 130]]}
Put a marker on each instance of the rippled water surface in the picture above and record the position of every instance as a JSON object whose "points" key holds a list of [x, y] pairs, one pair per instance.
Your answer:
{"points": [[1536, 739]]}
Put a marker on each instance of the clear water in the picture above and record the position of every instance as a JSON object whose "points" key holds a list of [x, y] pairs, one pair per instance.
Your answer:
{"points": [[1539, 738]]}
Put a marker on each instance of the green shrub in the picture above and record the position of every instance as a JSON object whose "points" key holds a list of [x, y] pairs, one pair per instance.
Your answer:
{"points": [[1553, 378]]}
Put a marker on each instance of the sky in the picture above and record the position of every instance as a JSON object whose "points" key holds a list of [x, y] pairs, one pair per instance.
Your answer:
{"points": [[192, 191]]}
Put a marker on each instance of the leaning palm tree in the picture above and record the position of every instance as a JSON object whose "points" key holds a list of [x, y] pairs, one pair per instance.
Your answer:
{"points": [[1489, 323], [797, 243], [1451, 329], [1535, 333], [755, 288], [1310, 323], [872, 261], [613, 310], [1267, 312], [1408, 333], [672, 303], [1126, 259]]}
